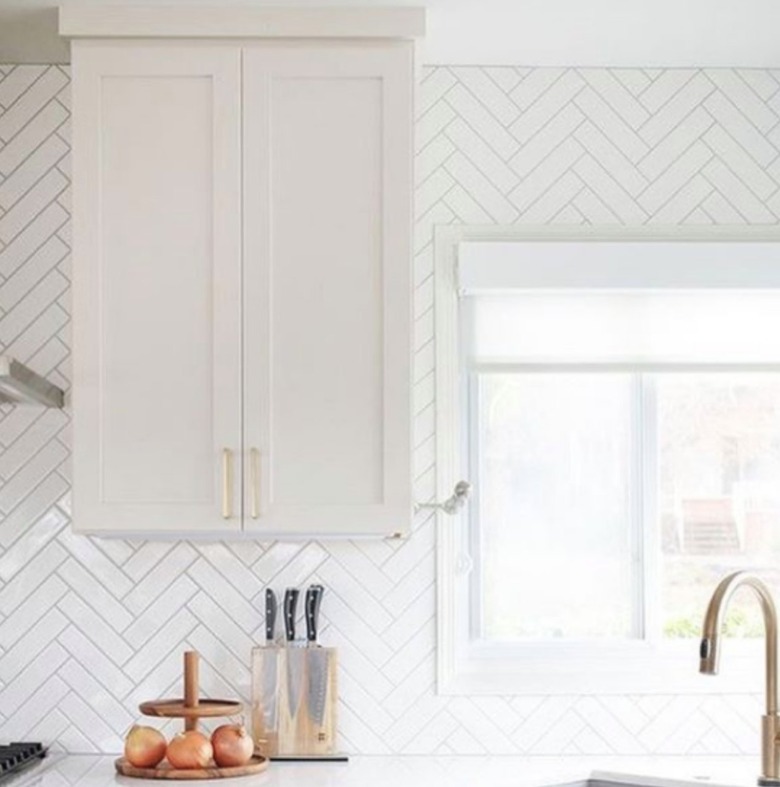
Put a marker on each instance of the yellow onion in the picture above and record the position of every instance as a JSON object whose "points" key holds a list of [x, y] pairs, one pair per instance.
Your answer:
{"points": [[189, 750], [144, 747], [232, 745]]}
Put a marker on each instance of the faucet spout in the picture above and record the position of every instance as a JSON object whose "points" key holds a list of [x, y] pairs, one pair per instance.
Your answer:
{"points": [[713, 623], [709, 653]]}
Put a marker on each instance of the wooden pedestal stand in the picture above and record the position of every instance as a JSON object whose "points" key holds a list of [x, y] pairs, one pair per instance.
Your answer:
{"points": [[191, 708]]}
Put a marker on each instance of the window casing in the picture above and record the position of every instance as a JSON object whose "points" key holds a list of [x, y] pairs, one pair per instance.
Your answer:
{"points": [[640, 659]]}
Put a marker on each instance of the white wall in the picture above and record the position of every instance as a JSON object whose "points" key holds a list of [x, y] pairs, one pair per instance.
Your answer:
{"points": [[89, 628]]}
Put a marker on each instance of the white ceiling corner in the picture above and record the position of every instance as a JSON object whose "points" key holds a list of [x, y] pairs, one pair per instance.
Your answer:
{"points": [[644, 33]]}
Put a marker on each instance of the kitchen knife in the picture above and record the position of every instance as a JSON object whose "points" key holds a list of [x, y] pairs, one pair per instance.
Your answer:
{"points": [[317, 658], [270, 669], [290, 604], [312, 609], [270, 616], [296, 657]]}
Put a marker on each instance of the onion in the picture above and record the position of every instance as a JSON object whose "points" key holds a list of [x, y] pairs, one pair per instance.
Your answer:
{"points": [[232, 745], [189, 750], [144, 747]]}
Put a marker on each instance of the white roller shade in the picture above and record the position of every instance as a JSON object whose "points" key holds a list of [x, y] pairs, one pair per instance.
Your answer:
{"points": [[651, 328], [621, 303]]}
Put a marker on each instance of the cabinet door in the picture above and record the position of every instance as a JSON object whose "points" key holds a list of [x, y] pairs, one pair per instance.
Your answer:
{"points": [[157, 276], [327, 292]]}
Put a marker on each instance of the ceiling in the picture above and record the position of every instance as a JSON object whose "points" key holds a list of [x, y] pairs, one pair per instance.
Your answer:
{"points": [[647, 33]]}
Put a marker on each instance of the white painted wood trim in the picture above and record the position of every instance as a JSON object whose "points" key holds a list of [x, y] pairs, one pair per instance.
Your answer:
{"points": [[447, 373], [465, 668], [79, 20]]}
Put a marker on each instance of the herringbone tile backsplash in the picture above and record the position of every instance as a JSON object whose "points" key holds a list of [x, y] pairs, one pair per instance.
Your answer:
{"points": [[88, 627]]}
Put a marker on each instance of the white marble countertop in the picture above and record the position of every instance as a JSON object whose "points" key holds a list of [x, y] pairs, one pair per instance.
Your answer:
{"points": [[98, 771]]}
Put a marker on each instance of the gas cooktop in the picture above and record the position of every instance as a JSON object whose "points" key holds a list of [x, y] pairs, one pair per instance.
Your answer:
{"points": [[15, 756]]}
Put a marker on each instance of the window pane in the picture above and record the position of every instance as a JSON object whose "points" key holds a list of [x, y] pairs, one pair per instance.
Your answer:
{"points": [[719, 449], [554, 508]]}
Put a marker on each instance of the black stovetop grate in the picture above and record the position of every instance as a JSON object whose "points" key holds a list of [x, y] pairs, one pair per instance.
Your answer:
{"points": [[16, 755]]}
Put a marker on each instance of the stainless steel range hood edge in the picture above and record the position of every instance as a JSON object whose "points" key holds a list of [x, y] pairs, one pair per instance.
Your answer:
{"points": [[21, 385]]}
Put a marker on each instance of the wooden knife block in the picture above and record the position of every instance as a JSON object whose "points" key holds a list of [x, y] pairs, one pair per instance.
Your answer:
{"points": [[294, 700]]}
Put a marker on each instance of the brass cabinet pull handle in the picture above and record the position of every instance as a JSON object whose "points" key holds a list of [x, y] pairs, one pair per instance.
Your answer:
{"points": [[254, 469], [227, 483]]}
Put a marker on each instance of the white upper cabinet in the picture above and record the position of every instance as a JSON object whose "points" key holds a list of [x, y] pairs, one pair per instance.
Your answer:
{"points": [[327, 288], [242, 289], [156, 287]]}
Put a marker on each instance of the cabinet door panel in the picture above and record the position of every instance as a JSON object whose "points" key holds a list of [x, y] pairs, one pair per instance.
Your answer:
{"points": [[327, 286], [156, 287]]}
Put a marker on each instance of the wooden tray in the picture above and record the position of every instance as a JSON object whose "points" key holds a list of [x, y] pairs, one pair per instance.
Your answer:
{"points": [[178, 708], [164, 770]]}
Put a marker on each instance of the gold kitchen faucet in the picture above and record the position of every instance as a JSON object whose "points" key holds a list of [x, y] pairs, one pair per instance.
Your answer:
{"points": [[709, 651]]}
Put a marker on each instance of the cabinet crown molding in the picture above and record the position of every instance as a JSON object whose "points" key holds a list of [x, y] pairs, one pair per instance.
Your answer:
{"points": [[78, 20]]}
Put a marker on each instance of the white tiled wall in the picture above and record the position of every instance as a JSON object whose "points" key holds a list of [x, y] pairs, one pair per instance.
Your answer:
{"points": [[89, 628]]}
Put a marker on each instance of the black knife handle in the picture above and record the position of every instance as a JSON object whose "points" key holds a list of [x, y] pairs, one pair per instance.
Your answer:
{"points": [[313, 600], [290, 603], [270, 615]]}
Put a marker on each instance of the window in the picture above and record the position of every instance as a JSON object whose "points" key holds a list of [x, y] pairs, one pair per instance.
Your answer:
{"points": [[561, 462], [620, 421]]}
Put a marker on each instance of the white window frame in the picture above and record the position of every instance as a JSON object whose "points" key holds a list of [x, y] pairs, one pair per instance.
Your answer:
{"points": [[467, 667]]}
